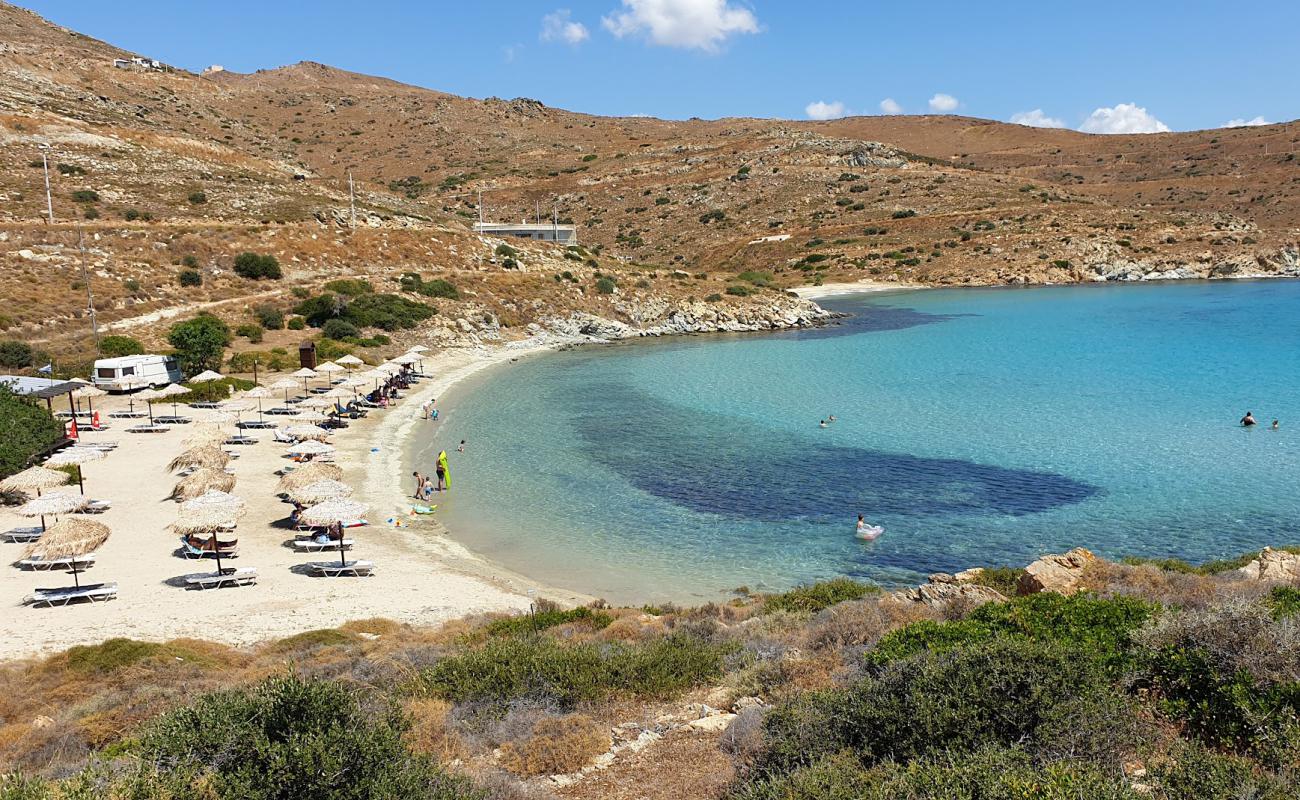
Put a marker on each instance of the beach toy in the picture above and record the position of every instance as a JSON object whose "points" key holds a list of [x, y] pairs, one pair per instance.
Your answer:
{"points": [[423, 509]]}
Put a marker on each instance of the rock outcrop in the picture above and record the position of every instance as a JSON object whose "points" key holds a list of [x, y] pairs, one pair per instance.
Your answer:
{"points": [[1273, 566], [944, 589], [1061, 573]]}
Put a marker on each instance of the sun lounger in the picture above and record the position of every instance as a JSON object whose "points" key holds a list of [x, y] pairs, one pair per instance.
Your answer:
{"points": [[97, 445], [97, 506], [334, 569], [70, 562], [313, 546], [205, 406], [22, 535], [241, 576], [192, 549], [281, 411], [127, 414], [283, 438], [241, 440], [93, 592], [148, 429]]}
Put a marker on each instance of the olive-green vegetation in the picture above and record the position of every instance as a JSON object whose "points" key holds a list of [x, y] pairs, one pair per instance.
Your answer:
{"points": [[25, 429], [199, 343]]}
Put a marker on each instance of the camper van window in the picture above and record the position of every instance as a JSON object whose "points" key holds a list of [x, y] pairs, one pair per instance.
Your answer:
{"points": [[128, 370], [170, 363], [106, 372]]}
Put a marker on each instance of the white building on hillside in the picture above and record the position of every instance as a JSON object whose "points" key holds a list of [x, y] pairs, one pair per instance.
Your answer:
{"points": [[539, 231]]}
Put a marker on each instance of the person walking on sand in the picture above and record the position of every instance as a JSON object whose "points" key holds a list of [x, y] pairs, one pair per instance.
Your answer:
{"points": [[420, 482], [1248, 420]]}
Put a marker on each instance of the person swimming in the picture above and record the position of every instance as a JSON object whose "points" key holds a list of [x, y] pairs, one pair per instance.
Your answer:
{"points": [[822, 424], [1248, 420], [866, 531], [1275, 425]]}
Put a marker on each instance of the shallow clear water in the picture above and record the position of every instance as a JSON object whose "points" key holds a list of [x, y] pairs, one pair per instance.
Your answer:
{"points": [[976, 426]]}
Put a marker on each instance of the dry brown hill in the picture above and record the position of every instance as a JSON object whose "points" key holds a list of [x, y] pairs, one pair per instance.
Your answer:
{"points": [[936, 199]]}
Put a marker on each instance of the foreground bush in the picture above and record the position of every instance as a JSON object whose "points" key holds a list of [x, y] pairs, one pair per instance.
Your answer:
{"points": [[541, 668], [25, 429], [992, 774], [256, 267], [817, 596], [558, 745], [290, 738], [1000, 693]]}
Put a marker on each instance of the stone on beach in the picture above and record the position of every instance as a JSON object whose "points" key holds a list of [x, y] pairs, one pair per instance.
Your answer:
{"points": [[1060, 573]]}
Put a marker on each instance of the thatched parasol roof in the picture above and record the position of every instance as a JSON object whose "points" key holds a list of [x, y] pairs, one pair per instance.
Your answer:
{"points": [[206, 456], [53, 504], [350, 360], [261, 393], [88, 391], [207, 375], [284, 383], [173, 390], [304, 373], [310, 473], [310, 448], [228, 505], [74, 536], [75, 455], [408, 358], [201, 481], [331, 511], [320, 491], [328, 367], [33, 479], [301, 432]]}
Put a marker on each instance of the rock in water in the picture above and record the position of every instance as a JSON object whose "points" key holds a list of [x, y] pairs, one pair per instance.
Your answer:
{"points": [[1060, 573]]}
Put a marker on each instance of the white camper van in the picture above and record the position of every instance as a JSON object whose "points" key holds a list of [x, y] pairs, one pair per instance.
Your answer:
{"points": [[134, 372]]}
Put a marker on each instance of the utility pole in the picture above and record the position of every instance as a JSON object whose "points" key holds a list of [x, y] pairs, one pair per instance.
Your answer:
{"points": [[352, 197], [480, 206], [90, 297], [49, 198], [537, 211]]}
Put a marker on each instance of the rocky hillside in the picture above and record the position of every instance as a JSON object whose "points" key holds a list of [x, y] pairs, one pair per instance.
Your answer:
{"points": [[161, 167]]}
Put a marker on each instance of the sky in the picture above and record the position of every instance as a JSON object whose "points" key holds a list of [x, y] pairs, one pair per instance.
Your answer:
{"points": [[1102, 66]]}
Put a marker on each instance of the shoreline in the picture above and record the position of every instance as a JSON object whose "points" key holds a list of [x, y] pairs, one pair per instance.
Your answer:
{"points": [[858, 287]]}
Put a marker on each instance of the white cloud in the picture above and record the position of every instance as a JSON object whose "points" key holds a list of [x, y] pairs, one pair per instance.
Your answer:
{"points": [[1036, 119], [1123, 118], [1245, 123], [943, 103], [823, 110], [889, 106], [692, 24], [557, 27]]}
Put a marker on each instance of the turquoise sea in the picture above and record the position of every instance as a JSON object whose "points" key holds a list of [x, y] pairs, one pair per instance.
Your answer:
{"points": [[978, 426]]}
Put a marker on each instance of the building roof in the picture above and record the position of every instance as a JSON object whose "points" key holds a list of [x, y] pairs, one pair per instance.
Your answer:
{"points": [[42, 388], [518, 226]]}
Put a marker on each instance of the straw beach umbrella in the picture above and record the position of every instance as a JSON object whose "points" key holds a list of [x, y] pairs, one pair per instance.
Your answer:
{"points": [[148, 395], [75, 457], [173, 390], [34, 479], [308, 474], [331, 511], [419, 348], [210, 456], [201, 481], [320, 491], [206, 436], [69, 538], [207, 376], [209, 513], [258, 393], [406, 359], [52, 504], [350, 361], [284, 384], [328, 368], [310, 416], [305, 374], [303, 432], [88, 393]]}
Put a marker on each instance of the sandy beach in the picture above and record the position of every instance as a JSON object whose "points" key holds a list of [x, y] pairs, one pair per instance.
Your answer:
{"points": [[421, 576], [857, 287]]}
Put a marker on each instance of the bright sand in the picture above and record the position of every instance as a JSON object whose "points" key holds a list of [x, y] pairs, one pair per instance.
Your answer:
{"points": [[421, 576]]}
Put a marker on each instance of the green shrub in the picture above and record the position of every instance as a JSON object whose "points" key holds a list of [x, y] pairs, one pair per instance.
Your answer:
{"points": [[269, 316], [1000, 693], [190, 277], [903, 214], [713, 298], [91, 213], [296, 323], [1283, 602], [1001, 579], [116, 346], [738, 291], [349, 286], [131, 214], [331, 348], [250, 331], [25, 429], [15, 354], [389, 312], [218, 390], [198, 198], [605, 285], [412, 282], [1197, 773], [316, 310], [716, 215], [199, 343], [85, 196], [990, 774], [816, 596], [290, 738], [1101, 628], [507, 251], [590, 157], [275, 362], [506, 669], [756, 278], [256, 267], [339, 329], [541, 620]]}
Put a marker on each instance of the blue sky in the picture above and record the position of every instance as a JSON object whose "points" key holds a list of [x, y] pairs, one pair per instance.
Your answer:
{"points": [[1102, 66]]}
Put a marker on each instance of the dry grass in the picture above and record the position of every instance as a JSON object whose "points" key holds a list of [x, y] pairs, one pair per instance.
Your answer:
{"points": [[558, 746]]}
